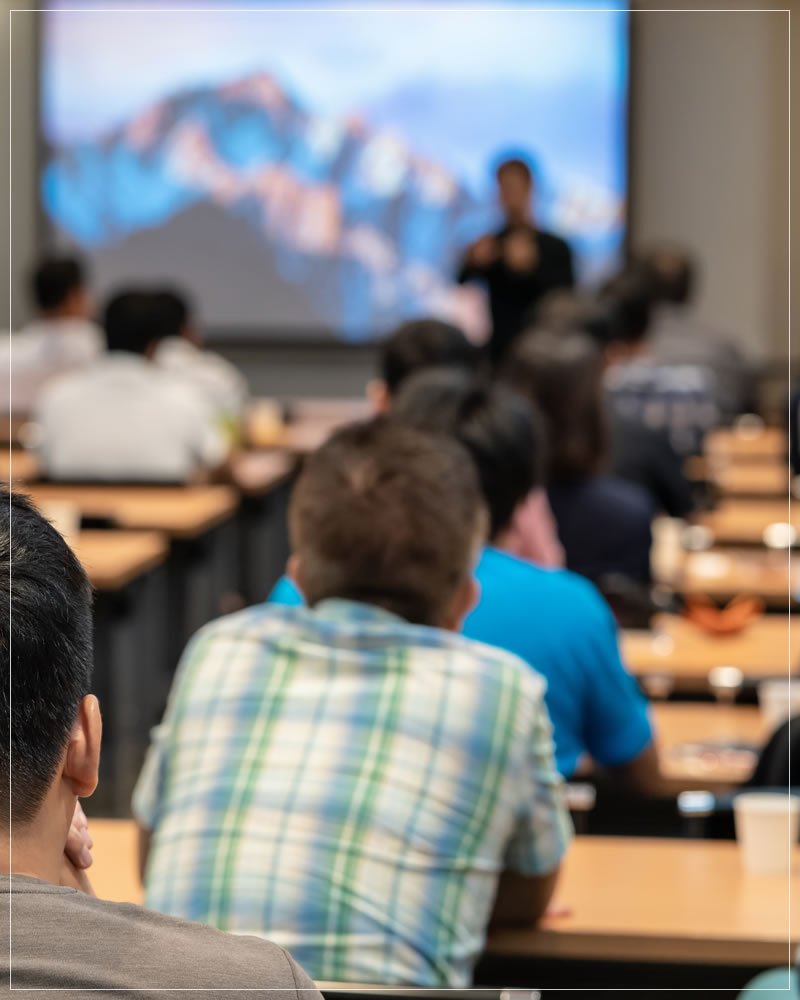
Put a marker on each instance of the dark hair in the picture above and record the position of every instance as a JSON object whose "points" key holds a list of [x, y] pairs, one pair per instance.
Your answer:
{"points": [[175, 311], [133, 320], [672, 273], [54, 279], [561, 372], [497, 427], [424, 343], [516, 163], [627, 300], [388, 515], [45, 649]]}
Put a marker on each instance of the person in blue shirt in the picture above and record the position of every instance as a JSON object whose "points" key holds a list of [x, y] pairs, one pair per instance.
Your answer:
{"points": [[553, 619]]}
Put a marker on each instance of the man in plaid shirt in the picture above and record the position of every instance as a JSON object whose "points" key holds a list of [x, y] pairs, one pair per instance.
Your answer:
{"points": [[355, 779]]}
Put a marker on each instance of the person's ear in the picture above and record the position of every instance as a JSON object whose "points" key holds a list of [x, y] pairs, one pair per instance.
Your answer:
{"points": [[294, 571], [82, 759], [466, 598], [378, 395]]}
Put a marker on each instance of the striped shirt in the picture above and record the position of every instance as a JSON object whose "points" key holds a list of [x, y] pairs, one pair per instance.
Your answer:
{"points": [[350, 786]]}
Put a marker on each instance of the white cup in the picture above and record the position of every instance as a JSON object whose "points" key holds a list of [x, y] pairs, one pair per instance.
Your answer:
{"points": [[766, 830], [778, 698]]}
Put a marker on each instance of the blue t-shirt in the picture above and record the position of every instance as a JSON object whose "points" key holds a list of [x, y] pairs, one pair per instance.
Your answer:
{"points": [[559, 624]]}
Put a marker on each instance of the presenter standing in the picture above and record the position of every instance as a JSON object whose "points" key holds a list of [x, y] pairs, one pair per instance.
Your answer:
{"points": [[520, 263]]}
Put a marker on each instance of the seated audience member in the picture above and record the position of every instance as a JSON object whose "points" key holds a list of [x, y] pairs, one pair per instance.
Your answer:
{"points": [[794, 432], [680, 399], [181, 351], [603, 522], [415, 346], [678, 337], [353, 778], [61, 338], [418, 345], [553, 619], [124, 418], [636, 452], [62, 939]]}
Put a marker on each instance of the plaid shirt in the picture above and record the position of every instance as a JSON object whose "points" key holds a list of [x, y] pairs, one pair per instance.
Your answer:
{"points": [[350, 786]]}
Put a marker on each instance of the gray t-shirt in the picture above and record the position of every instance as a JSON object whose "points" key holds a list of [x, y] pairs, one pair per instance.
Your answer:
{"points": [[61, 938]]}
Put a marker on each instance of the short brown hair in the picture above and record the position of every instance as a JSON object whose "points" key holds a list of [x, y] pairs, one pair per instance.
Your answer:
{"points": [[562, 373], [388, 515]]}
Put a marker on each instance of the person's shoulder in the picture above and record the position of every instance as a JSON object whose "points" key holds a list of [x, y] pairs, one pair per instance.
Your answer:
{"points": [[628, 498], [257, 621], [509, 576], [181, 953], [478, 663]]}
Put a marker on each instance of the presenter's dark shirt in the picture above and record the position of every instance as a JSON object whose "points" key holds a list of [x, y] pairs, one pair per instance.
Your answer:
{"points": [[512, 294]]}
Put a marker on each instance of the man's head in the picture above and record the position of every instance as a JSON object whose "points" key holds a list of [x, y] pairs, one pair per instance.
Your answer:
{"points": [[175, 311], [51, 755], [561, 372], [497, 427], [388, 515], [134, 321], [515, 187], [672, 274], [58, 288], [626, 302], [415, 346]]}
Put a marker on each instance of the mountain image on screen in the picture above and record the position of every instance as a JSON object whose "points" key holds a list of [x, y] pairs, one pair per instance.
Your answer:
{"points": [[354, 228]]}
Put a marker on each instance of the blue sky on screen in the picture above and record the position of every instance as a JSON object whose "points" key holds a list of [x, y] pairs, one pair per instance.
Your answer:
{"points": [[407, 70]]}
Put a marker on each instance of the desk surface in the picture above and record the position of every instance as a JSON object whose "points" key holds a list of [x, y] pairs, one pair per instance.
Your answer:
{"points": [[768, 443], [769, 647], [180, 511], [18, 466], [766, 479], [742, 522], [112, 559], [724, 573], [663, 900], [679, 725], [644, 899]]}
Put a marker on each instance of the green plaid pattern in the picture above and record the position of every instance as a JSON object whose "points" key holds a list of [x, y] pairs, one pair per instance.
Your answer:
{"points": [[350, 786]]}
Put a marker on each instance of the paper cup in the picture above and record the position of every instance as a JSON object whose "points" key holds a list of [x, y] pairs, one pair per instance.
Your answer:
{"points": [[766, 830], [778, 699]]}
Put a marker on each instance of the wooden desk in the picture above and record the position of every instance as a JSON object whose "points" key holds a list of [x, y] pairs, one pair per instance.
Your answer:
{"points": [[678, 725], [673, 900], [769, 647], [742, 522], [179, 511], [766, 444], [724, 573], [112, 559], [764, 479], [18, 466], [131, 628], [653, 900], [312, 421]]}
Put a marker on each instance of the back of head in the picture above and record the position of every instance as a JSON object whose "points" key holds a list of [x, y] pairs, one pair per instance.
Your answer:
{"points": [[133, 321], [174, 310], [671, 272], [561, 372], [627, 300], [424, 343], [45, 650], [55, 281], [387, 515], [498, 427]]}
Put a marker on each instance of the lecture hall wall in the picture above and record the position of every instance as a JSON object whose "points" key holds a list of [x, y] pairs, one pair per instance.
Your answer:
{"points": [[709, 167]]}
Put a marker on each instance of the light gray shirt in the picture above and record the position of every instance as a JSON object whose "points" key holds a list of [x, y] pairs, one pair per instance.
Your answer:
{"points": [[63, 939]]}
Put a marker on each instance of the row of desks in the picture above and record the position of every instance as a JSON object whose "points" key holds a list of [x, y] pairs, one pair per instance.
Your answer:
{"points": [[630, 899]]}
